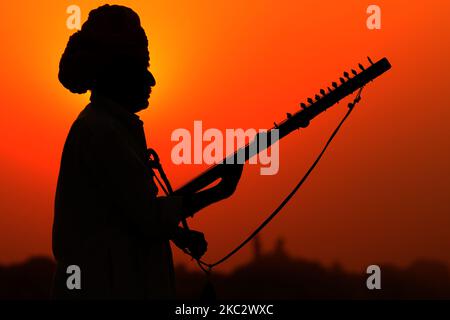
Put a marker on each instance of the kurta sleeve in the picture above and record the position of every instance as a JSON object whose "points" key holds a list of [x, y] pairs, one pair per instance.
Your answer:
{"points": [[128, 183]]}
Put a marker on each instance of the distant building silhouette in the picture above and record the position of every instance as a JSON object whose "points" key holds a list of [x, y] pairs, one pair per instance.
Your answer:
{"points": [[268, 275], [257, 248]]}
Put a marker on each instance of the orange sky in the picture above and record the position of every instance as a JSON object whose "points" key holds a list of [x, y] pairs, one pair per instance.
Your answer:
{"points": [[379, 195]]}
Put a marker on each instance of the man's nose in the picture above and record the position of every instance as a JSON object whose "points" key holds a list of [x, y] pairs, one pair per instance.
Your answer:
{"points": [[151, 79]]}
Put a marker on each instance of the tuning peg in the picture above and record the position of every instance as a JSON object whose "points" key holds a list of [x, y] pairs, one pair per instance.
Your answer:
{"points": [[322, 92], [310, 100], [361, 67], [370, 60], [329, 89], [335, 85], [351, 105], [317, 97], [288, 115], [346, 75], [302, 105], [354, 72], [342, 80]]}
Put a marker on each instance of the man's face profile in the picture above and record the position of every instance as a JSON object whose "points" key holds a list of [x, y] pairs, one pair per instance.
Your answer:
{"points": [[129, 83]]}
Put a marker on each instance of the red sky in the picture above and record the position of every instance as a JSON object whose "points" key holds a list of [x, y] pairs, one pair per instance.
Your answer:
{"points": [[379, 195]]}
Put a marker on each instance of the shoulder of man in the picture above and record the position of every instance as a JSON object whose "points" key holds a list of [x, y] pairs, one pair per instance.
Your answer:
{"points": [[96, 120]]}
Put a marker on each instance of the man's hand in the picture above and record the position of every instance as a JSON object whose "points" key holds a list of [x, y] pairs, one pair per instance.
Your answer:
{"points": [[230, 175], [192, 241]]}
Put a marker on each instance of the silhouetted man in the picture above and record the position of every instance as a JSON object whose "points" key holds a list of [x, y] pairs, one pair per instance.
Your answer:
{"points": [[108, 219]]}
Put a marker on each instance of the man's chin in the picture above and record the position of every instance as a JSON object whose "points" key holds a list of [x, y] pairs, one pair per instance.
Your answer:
{"points": [[142, 106]]}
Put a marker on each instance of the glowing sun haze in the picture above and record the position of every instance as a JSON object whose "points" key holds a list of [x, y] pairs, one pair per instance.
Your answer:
{"points": [[379, 195]]}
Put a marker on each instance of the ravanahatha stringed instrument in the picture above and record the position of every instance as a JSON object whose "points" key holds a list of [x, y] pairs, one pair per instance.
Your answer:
{"points": [[349, 83]]}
